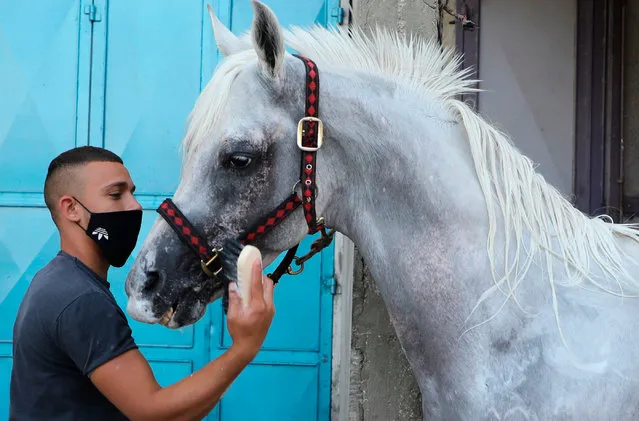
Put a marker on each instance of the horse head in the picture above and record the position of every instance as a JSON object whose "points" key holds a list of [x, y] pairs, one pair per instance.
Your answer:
{"points": [[241, 160]]}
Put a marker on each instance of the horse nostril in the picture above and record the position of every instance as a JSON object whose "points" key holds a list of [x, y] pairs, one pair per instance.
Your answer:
{"points": [[152, 280]]}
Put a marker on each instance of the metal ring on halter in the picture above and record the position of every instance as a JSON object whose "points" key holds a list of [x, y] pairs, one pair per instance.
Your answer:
{"points": [[295, 185], [299, 181], [290, 270]]}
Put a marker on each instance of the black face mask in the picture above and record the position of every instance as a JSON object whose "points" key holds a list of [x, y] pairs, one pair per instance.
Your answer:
{"points": [[115, 232]]}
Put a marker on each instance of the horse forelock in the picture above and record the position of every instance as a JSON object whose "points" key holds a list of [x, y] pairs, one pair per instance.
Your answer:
{"points": [[205, 115]]}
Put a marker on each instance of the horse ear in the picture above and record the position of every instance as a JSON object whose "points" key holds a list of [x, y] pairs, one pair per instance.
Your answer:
{"points": [[227, 42], [268, 39]]}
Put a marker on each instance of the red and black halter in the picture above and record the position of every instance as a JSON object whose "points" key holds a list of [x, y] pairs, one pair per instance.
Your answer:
{"points": [[309, 140]]}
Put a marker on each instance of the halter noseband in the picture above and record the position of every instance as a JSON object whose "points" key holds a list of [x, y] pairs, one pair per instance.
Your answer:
{"points": [[310, 132]]}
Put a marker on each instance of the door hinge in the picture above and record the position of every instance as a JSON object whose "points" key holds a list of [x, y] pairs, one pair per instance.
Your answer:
{"points": [[332, 285], [338, 14], [93, 13]]}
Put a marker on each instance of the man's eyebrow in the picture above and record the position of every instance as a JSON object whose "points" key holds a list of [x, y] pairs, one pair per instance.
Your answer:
{"points": [[120, 184]]}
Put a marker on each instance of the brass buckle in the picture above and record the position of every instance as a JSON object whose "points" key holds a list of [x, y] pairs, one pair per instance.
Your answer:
{"points": [[205, 265], [320, 134]]}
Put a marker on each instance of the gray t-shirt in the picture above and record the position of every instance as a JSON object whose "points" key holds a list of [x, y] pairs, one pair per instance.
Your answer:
{"points": [[67, 325]]}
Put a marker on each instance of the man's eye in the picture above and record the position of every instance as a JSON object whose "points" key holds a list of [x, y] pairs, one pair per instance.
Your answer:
{"points": [[115, 195], [239, 161]]}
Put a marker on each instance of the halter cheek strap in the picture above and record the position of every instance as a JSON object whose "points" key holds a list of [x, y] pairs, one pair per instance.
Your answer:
{"points": [[310, 135], [282, 211]]}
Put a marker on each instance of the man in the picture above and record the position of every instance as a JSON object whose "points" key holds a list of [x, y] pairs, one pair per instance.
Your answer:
{"points": [[74, 357]]}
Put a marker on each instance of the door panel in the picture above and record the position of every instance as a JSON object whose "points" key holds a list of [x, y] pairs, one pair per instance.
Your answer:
{"points": [[27, 243], [273, 392], [5, 373], [153, 67], [40, 71], [127, 81]]}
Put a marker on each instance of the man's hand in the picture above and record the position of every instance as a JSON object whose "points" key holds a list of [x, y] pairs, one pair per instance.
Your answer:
{"points": [[128, 381], [249, 323]]}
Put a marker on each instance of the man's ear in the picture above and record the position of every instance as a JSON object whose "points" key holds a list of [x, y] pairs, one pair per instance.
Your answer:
{"points": [[227, 42], [69, 209], [268, 40]]}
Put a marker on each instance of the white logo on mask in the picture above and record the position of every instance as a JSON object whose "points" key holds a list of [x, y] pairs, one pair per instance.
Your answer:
{"points": [[101, 232]]}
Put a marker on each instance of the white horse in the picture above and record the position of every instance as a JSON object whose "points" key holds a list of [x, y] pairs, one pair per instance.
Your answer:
{"points": [[509, 303]]}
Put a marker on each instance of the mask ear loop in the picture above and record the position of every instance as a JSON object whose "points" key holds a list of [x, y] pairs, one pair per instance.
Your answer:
{"points": [[85, 208], [81, 204]]}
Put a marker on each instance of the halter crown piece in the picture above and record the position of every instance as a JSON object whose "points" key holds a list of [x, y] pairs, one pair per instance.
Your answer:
{"points": [[310, 134]]}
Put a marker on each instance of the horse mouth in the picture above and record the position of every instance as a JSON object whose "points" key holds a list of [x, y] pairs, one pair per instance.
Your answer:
{"points": [[167, 317]]}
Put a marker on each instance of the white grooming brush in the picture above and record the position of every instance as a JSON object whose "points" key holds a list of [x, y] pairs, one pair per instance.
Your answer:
{"points": [[245, 262]]}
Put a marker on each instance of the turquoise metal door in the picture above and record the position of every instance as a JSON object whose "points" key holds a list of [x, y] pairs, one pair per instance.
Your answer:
{"points": [[124, 75], [44, 52]]}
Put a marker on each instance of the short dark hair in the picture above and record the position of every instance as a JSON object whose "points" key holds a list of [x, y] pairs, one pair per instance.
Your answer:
{"points": [[58, 174]]}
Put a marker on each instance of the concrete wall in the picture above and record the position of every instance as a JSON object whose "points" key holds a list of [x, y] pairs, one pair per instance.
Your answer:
{"points": [[382, 386], [528, 69], [406, 16]]}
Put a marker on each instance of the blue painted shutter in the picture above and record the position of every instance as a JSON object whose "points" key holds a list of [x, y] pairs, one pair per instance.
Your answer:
{"points": [[44, 55], [127, 82]]}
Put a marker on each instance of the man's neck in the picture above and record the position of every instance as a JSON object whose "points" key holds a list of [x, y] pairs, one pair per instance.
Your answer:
{"points": [[87, 252]]}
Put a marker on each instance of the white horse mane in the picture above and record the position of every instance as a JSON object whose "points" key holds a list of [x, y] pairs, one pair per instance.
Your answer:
{"points": [[508, 178]]}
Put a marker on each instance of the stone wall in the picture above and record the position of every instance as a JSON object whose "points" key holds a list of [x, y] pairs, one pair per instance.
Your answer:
{"points": [[405, 16], [382, 386]]}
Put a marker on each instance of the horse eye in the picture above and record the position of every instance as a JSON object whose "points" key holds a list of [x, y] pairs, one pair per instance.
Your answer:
{"points": [[239, 161]]}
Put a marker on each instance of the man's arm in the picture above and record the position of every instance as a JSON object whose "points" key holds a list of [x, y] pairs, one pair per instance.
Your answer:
{"points": [[128, 381]]}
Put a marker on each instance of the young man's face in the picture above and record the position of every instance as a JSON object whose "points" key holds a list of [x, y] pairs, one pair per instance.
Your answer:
{"points": [[107, 187], [98, 198]]}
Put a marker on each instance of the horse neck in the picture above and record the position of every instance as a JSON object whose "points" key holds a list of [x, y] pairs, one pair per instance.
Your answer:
{"points": [[408, 194], [405, 169]]}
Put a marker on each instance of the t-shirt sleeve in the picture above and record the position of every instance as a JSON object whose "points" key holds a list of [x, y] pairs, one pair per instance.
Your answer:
{"points": [[93, 330]]}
